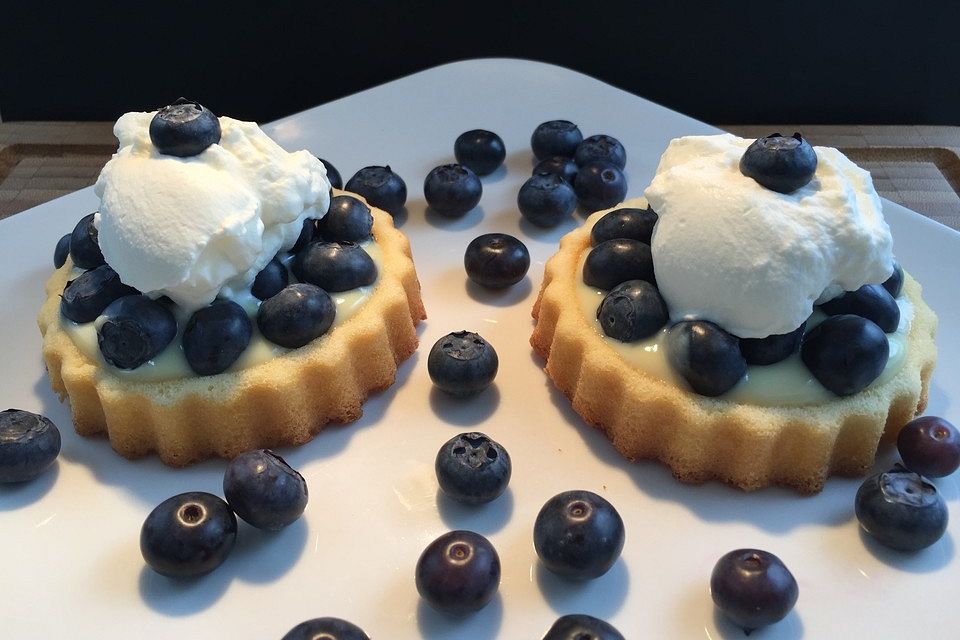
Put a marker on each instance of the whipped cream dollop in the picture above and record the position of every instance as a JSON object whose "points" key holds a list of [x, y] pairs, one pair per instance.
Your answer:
{"points": [[194, 228], [752, 260]]}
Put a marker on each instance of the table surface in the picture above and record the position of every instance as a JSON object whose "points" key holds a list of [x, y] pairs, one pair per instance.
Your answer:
{"points": [[374, 502]]}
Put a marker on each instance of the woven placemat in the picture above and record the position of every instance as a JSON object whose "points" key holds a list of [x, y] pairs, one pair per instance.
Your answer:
{"points": [[916, 166]]}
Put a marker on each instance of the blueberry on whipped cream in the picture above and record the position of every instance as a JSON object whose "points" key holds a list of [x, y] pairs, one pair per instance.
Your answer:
{"points": [[183, 129], [783, 164]]}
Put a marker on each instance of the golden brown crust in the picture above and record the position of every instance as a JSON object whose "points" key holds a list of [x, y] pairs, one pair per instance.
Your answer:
{"points": [[284, 401], [702, 438]]}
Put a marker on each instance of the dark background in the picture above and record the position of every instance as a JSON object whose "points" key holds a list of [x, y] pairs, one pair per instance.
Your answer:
{"points": [[727, 62]]}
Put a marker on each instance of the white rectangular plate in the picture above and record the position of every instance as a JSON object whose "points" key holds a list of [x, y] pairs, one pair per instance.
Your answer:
{"points": [[71, 561]]}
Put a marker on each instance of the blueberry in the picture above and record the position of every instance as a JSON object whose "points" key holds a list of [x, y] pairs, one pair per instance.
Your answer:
{"points": [[546, 199], [901, 510], [578, 534], [555, 138], [84, 245], [135, 330], [381, 187], [458, 573], [86, 297], [462, 363], [347, 219], [452, 190], [215, 336], [473, 469], [326, 629], [29, 443], [894, 284], [625, 222], [614, 261], [61, 251], [753, 588], [335, 266], [566, 168], [846, 353], [270, 281], [579, 626], [929, 446], [184, 128], [780, 163], [264, 490], [599, 185], [332, 174], [773, 348], [496, 260], [188, 535], [633, 310], [480, 150], [601, 148], [296, 315], [307, 232], [706, 356], [871, 301]]}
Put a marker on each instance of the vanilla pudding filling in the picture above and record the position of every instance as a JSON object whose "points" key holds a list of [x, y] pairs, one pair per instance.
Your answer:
{"points": [[200, 228], [171, 363]]}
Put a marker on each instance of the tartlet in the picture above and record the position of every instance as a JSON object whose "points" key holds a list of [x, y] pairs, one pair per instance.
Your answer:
{"points": [[283, 401], [701, 438]]}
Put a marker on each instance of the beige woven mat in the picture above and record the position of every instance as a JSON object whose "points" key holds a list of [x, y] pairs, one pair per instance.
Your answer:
{"points": [[917, 166]]}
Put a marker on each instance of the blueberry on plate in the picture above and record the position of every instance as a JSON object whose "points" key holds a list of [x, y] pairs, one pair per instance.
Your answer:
{"points": [[473, 469], [84, 244], [452, 190], [930, 446], [599, 185], [614, 261], [706, 356], [335, 266], [779, 163], [601, 148], [134, 330], [86, 297], [773, 348], [555, 138], [633, 310], [264, 490], [480, 150], [894, 284], [326, 629], [458, 573], [188, 535], [184, 128], [846, 353], [270, 281], [579, 626], [625, 222], [299, 313], [215, 336], [29, 443], [347, 219], [871, 301], [462, 363], [901, 510], [753, 588], [332, 174], [578, 534], [307, 233], [545, 199], [566, 168], [496, 260], [381, 187], [62, 251]]}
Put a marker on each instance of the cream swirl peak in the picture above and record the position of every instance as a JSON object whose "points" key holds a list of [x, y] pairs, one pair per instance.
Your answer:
{"points": [[752, 260], [193, 228]]}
